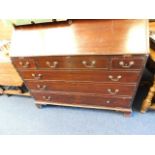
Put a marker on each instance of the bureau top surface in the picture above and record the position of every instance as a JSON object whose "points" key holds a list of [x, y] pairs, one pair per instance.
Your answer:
{"points": [[81, 37]]}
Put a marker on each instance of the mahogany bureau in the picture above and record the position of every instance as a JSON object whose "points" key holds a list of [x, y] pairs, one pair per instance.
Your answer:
{"points": [[82, 63]]}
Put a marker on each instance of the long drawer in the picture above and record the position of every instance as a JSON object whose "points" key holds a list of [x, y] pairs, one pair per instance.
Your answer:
{"points": [[89, 87], [81, 75], [81, 99]]}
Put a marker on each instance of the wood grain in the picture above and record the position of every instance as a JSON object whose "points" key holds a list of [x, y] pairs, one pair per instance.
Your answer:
{"points": [[81, 75], [82, 99], [84, 63], [82, 37], [83, 87]]}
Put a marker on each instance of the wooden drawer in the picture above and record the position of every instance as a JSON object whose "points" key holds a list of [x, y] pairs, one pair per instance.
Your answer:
{"points": [[131, 62], [89, 87], [81, 99], [72, 62], [82, 75], [24, 63]]}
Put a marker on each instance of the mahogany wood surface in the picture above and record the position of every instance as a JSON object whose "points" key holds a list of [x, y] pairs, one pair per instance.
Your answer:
{"points": [[82, 99], [80, 62], [136, 62], [81, 75], [82, 37], [92, 63], [83, 87]]}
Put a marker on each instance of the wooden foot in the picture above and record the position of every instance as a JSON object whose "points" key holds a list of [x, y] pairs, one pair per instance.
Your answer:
{"points": [[127, 114], [39, 106], [148, 100]]}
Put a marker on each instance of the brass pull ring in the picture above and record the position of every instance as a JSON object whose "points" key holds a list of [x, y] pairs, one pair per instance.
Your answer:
{"points": [[43, 87], [126, 65], [113, 92], [47, 98], [52, 64], [24, 65], [115, 79], [89, 65], [37, 76]]}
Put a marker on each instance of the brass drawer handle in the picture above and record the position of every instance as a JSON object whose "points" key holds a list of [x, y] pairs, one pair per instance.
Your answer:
{"points": [[115, 79], [113, 92], [47, 98], [43, 87], [89, 65], [37, 76], [52, 64], [126, 65], [24, 65]]}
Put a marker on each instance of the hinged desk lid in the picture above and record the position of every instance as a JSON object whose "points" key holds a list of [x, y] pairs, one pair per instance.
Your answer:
{"points": [[81, 37]]}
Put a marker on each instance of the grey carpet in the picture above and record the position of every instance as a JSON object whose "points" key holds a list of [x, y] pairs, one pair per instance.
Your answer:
{"points": [[18, 115]]}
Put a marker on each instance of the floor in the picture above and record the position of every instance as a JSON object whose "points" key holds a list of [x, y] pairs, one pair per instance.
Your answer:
{"points": [[19, 115]]}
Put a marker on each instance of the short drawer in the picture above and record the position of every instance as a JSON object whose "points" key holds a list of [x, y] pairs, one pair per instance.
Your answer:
{"points": [[81, 99], [72, 62], [133, 62], [81, 75], [82, 87], [24, 63]]}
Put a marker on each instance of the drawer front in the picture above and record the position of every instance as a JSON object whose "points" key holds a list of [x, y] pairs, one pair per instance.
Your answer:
{"points": [[81, 99], [91, 75], [72, 62], [89, 87], [134, 62], [24, 63]]}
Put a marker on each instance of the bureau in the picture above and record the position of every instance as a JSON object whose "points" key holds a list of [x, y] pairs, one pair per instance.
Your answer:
{"points": [[82, 63]]}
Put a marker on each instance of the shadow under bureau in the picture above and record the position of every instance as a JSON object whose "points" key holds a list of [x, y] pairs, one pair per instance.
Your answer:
{"points": [[83, 63]]}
